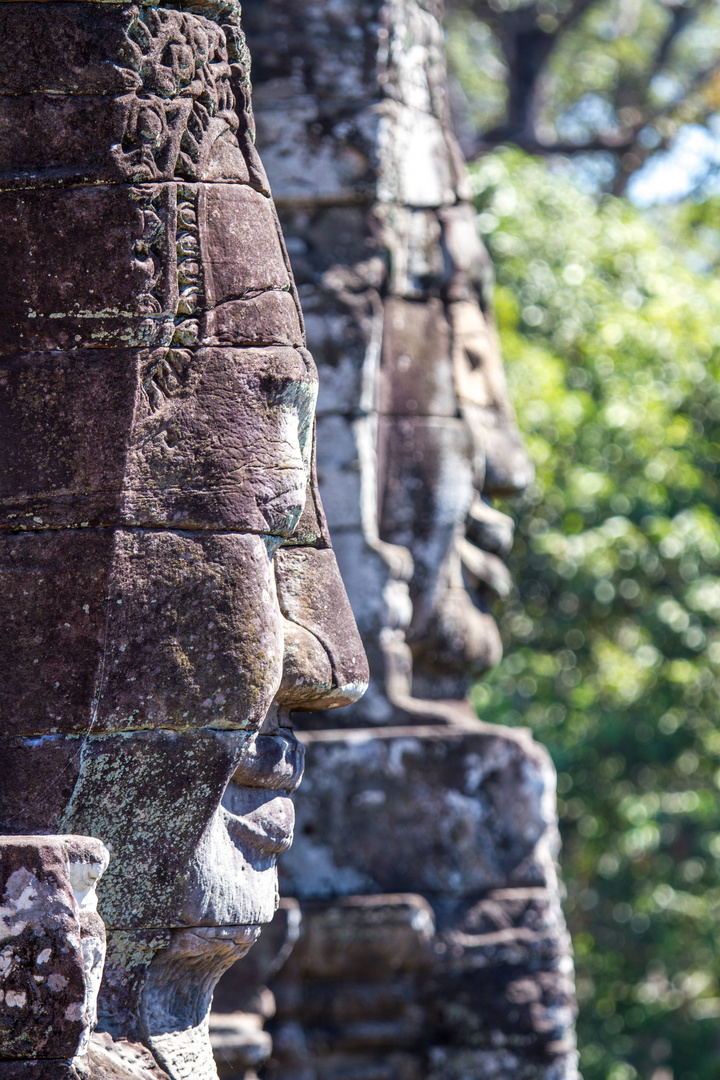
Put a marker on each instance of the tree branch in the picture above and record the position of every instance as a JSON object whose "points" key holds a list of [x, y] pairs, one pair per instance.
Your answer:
{"points": [[528, 48]]}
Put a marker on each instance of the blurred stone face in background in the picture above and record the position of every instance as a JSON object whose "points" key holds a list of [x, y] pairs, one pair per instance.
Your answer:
{"points": [[416, 432], [448, 444], [421, 889]]}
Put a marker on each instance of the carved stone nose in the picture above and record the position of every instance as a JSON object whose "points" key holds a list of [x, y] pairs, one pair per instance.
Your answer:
{"points": [[508, 468], [324, 663]]}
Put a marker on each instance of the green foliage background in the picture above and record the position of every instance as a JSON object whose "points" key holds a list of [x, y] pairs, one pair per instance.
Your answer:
{"points": [[612, 346]]}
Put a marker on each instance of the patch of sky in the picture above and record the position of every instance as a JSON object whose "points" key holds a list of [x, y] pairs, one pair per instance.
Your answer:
{"points": [[592, 115], [691, 163]]}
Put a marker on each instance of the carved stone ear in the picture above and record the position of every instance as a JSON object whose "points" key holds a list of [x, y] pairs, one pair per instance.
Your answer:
{"points": [[52, 945]]}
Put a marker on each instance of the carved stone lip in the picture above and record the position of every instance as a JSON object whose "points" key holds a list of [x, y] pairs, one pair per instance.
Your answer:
{"points": [[266, 828], [486, 571], [483, 550], [259, 816], [274, 762], [488, 528]]}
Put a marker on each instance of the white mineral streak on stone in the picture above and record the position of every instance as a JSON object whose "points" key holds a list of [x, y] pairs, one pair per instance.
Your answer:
{"points": [[6, 960], [23, 893], [93, 950]]}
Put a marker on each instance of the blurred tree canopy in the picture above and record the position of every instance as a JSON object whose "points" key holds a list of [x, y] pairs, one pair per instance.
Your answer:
{"points": [[616, 79], [611, 337]]}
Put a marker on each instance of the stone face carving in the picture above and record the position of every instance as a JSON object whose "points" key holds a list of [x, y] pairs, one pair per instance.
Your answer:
{"points": [[413, 797], [157, 503], [416, 431]]}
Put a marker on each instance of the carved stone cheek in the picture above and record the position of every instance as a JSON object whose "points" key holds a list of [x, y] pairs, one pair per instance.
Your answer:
{"points": [[120, 629], [229, 447], [174, 266]]}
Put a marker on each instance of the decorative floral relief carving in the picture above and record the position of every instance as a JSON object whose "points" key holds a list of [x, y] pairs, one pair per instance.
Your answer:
{"points": [[188, 65], [168, 375], [152, 251], [187, 242]]}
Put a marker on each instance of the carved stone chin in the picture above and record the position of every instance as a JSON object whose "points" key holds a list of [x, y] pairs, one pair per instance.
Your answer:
{"points": [[177, 993]]}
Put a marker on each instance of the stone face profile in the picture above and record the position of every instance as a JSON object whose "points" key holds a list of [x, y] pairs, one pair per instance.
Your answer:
{"points": [[168, 592], [432, 944], [416, 431]]}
